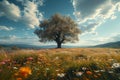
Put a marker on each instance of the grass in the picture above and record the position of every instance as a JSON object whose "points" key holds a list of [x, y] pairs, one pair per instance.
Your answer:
{"points": [[60, 64]]}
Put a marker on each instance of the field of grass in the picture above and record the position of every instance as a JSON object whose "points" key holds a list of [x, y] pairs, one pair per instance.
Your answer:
{"points": [[60, 64]]}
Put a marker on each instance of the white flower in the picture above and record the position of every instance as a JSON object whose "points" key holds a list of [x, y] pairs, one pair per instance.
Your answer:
{"points": [[84, 68], [79, 73], [61, 75], [56, 58], [116, 65], [57, 70], [15, 68], [47, 69], [102, 70], [110, 72], [97, 71]]}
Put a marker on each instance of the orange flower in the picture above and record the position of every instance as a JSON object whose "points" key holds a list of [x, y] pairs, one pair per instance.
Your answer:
{"points": [[19, 79], [25, 71], [89, 72]]}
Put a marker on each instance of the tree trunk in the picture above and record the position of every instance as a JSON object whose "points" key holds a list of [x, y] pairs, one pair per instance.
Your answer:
{"points": [[58, 45]]}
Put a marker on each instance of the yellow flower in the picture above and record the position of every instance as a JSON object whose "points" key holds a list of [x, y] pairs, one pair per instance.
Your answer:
{"points": [[25, 71]]}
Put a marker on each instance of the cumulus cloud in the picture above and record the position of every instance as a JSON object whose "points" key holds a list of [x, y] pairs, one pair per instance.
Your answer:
{"points": [[5, 28], [30, 15], [38, 2], [89, 28], [96, 11], [9, 10]]}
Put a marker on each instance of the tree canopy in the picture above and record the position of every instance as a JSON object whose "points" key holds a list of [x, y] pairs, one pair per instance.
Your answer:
{"points": [[58, 28]]}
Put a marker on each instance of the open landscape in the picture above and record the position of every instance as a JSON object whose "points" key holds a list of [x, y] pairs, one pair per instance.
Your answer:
{"points": [[60, 64], [59, 39]]}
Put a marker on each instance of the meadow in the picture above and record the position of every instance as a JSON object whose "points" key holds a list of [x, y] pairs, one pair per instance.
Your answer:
{"points": [[60, 64]]}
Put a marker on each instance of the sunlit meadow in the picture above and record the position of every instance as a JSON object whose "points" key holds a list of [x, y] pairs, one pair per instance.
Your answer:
{"points": [[60, 64]]}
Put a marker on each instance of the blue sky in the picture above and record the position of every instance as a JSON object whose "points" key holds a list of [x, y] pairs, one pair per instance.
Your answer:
{"points": [[99, 20]]}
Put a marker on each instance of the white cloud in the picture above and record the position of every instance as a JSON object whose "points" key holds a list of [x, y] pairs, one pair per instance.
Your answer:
{"points": [[89, 28], [101, 40], [38, 2], [115, 37], [9, 10], [6, 28], [113, 17], [31, 15], [95, 11], [12, 39]]}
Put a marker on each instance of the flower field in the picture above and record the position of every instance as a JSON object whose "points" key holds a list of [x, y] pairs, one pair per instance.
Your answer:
{"points": [[60, 64]]}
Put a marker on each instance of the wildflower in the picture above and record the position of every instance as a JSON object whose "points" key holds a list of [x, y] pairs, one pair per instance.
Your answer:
{"points": [[56, 58], [110, 71], [3, 62], [19, 79], [116, 65], [96, 71], [57, 70], [30, 58], [15, 68], [111, 59], [25, 71], [79, 73], [61, 75], [84, 68], [47, 69], [102, 70], [89, 72]]}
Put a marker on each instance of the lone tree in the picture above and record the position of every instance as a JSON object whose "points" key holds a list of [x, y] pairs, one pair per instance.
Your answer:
{"points": [[58, 28]]}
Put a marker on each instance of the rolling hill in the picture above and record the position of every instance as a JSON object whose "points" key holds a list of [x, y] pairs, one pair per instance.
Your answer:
{"points": [[109, 45]]}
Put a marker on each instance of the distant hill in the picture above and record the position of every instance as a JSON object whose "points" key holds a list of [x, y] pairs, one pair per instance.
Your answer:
{"points": [[26, 46], [110, 45]]}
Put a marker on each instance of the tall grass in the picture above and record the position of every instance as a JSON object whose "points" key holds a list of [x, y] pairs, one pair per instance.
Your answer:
{"points": [[60, 64]]}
